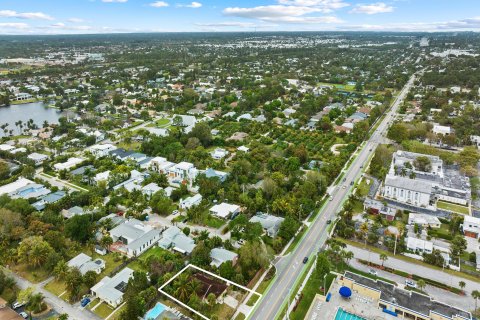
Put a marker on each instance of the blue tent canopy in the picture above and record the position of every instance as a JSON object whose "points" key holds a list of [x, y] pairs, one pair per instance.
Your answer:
{"points": [[345, 292]]}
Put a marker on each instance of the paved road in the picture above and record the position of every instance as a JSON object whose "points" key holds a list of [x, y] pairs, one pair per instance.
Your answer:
{"points": [[413, 268], [74, 313], [463, 302], [56, 182], [291, 266]]}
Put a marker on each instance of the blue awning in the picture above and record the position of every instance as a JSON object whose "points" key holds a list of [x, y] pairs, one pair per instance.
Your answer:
{"points": [[345, 292]]}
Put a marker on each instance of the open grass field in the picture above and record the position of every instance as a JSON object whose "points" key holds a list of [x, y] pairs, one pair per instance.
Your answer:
{"points": [[453, 207]]}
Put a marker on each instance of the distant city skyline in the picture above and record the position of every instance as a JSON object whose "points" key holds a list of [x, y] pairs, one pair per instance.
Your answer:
{"points": [[124, 16]]}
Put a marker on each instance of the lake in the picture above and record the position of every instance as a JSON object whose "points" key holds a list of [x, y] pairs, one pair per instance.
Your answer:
{"points": [[38, 111]]}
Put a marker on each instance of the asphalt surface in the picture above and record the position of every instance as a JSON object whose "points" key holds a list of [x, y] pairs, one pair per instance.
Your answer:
{"points": [[75, 312], [290, 267]]}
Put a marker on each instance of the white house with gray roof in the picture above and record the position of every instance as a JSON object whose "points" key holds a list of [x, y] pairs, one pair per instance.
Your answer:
{"points": [[85, 263], [134, 237], [220, 255], [111, 290], [174, 238], [271, 224]]}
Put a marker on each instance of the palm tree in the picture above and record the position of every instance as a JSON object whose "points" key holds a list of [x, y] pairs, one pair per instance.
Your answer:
{"points": [[61, 270], [194, 286], [182, 282], [36, 303], [348, 256], [421, 284], [462, 285], [364, 231], [383, 257], [476, 296]]}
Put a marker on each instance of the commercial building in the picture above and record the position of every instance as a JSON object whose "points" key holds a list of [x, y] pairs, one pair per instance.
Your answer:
{"points": [[408, 182], [402, 303]]}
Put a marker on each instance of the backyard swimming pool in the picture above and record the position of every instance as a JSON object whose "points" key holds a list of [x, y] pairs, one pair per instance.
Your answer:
{"points": [[344, 315], [153, 313]]}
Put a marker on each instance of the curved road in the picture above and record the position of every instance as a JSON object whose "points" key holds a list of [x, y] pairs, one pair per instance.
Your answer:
{"points": [[292, 267]]}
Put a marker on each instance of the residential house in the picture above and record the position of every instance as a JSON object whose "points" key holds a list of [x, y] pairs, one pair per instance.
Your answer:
{"points": [[37, 158], [70, 163], [471, 227], [85, 263], [211, 173], [102, 150], [111, 290], [219, 153], [377, 207], [101, 176], [183, 171], [32, 190], [48, 199], [419, 246], [424, 220], [189, 202], [271, 224], [220, 255], [443, 130], [225, 210], [134, 237], [72, 212], [243, 149], [174, 238]]}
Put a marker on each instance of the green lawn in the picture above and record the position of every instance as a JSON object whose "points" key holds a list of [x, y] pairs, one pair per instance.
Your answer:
{"points": [[138, 264], [33, 275], [162, 123], [453, 207], [364, 187], [56, 287], [93, 304], [214, 222], [309, 291], [103, 310]]}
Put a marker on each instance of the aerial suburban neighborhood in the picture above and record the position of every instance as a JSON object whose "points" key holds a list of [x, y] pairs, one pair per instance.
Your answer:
{"points": [[239, 175]]}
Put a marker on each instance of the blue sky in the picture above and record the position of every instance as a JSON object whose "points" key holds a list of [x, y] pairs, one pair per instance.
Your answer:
{"points": [[110, 16]]}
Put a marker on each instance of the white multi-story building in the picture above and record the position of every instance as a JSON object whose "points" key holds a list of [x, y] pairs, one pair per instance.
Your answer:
{"points": [[423, 188]]}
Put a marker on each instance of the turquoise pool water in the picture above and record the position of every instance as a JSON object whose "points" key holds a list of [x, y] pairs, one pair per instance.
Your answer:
{"points": [[153, 313], [344, 315]]}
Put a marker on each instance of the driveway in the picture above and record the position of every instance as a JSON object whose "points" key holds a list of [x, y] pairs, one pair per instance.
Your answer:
{"points": [[55, 302]]}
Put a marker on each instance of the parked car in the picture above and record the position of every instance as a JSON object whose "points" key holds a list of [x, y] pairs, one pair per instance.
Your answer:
{"points": [[410, 283], [24, 315], [175, 212], [373, 272], [17, 305], [84, 302], [305, 260]]}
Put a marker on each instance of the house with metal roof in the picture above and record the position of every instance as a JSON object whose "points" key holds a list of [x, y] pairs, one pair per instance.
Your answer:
{"points": [[48, 199], [220, 255], [225, 210], [134, 237], [111, 290], [85, 263], [174, 238], [271, 224]]}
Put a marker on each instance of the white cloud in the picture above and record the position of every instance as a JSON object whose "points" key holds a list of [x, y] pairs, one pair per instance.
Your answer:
{"points": [[325, 6], [454, 25], [111, 1], [14, 25], [373, 8], [76, 20], [159, 4], [283, 13], [193, 4], [227, 24], [25, 15], [269, 12]]}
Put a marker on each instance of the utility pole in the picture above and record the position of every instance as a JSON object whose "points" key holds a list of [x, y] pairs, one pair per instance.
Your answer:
{"points": [[395, 247]]}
